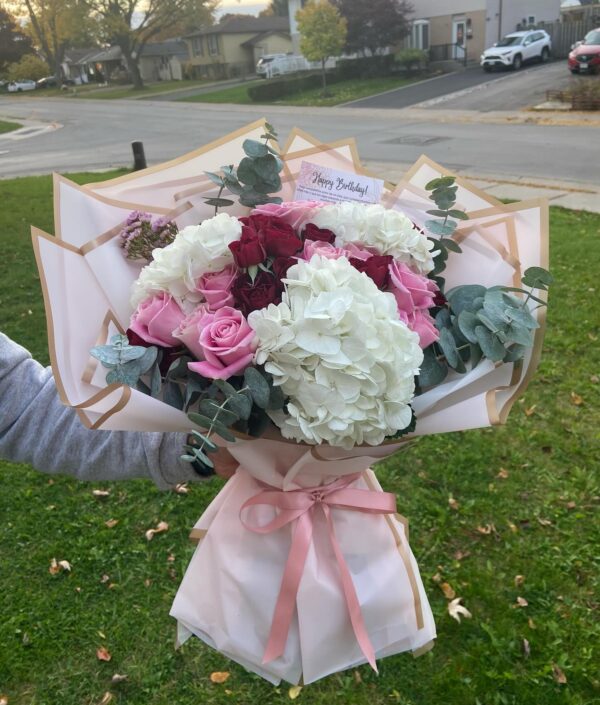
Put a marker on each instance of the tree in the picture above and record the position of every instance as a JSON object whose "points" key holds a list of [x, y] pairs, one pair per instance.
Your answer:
{"points": [[131, 24], [322, 33], [30, 66], [54, 25], [374, 25], [276, 8], [14, 44]]}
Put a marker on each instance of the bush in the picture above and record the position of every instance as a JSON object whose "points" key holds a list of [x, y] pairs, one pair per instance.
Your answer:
{"points": [[412, 59], [365, 67], [273, 89], [29, 67]]}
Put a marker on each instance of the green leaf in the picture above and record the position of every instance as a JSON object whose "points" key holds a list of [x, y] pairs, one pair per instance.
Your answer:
{"points": [[203, 458], [491, 347], [464, 297], [467, 322], [173, 395], [476, 355], [432, 371], [216, 411], [218, 202], [179, 368], [515, 352], [440, 214], [215, 178], [254, 149], [240, 404], [270, 128], [440, 182], [523, 317], [459, 215], [246, 173], [438, 228], [258, 386], [516, 333], [234, 186], [200, 420], [537, 278], [224, 432], [276, 398], [442, 319], [448, 346], [451, 245], [155, 380]]}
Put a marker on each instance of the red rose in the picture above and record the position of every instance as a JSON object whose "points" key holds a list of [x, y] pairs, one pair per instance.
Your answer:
{"points": [[281, 265], [312, 232], [376, 267], [248, 250], [251, 296], [280, 240]]}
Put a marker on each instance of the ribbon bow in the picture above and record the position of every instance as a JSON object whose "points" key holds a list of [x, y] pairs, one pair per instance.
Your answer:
{"points": [[300, 505]]}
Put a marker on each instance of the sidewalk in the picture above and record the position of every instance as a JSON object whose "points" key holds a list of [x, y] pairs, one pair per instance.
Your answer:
{"points": [[573, 195]]}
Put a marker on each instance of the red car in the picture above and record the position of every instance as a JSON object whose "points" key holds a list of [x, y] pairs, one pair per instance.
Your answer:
{"points": [[585, 55]]}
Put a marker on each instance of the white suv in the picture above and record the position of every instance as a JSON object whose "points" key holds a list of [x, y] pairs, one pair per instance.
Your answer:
{"points": [[517, 48]]}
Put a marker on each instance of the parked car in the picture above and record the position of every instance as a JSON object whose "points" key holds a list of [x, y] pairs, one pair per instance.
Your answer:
{"points": [[517, 48], [22, 85], [585, 55], [262, 67]]}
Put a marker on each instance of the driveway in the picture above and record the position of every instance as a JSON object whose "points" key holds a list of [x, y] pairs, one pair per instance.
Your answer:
{"points": [[468, 89]]}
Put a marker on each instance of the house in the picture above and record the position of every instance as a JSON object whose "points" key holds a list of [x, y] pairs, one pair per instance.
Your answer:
{"points": [[232, 47], [159, 61], [473, 25]]}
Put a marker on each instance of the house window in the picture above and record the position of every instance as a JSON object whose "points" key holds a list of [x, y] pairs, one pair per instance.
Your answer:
{"points": [[213, 44], [419, 38], [197, 46], [529, 21]]}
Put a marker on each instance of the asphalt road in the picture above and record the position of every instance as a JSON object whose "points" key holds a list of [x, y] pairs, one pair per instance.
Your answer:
{"points": [[97, 135], [434, 89]]}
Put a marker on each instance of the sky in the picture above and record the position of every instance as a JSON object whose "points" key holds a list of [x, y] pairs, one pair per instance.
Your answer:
{"points": [[246, 7]]}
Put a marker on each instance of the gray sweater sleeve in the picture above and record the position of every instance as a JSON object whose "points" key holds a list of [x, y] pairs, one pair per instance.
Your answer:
{"points": [[36, 428]]}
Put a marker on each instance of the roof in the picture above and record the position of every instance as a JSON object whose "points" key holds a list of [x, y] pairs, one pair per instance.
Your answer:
{"points": [[243, 25], [263, 35], [111, 54], [170, 47]]}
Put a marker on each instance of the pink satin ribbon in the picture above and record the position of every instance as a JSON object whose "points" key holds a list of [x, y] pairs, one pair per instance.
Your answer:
{"points": [[300, 505]]}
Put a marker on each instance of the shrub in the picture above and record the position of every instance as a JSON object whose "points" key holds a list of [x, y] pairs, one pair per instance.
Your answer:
{"points": [[273, 89], [29, 67], [365, 67], [412, 59]]}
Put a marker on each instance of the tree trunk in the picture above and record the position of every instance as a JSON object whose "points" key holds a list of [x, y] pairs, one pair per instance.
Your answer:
{"points": [[134, 69], [324, 77]]}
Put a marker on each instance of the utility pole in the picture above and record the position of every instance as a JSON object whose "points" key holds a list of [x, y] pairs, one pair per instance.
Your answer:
{"points": [[500, 19]]}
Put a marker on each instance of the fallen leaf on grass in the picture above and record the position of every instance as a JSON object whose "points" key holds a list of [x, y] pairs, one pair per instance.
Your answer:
{"points": [[502, 474], [487, 529], [101, 493], [456, 610], [459, 555], [103, 654], [453, 504], [105, 578], [111, 523], [437, 578], [160, 527], [544, 522], [58, 566], [558, 674], [294, 692], [512, 527], [3, 699], [106, 698], [519, 580], [118, 678], [530, 410], [594, 379], [526, 648], [521, 602], [571, 505], [357, 677], [448, 591], [219, 676], [182, 488], [576, 399], [531, 623]]}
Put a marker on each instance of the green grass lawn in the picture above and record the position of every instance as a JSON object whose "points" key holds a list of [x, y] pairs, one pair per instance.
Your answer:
{"points": [[94, 92], [527, 497], [341, 92], [8, 126]]}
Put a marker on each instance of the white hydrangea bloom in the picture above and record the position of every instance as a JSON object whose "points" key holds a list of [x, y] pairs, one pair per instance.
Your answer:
{"points": [[338, 350], [196, 249], [390, 231]]}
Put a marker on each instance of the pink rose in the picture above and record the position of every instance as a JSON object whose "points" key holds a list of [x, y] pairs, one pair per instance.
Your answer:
{"points": [[216, 287], [188, 331], [414, 295], [318, 247], [294, 213], [227, 342], [156, 318]]}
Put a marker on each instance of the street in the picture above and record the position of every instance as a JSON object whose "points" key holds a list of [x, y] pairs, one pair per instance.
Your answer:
{"points": [[97, 135]]}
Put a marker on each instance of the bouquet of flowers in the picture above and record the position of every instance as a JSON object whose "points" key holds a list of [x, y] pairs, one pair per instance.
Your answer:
{"points": [[312, 338]]}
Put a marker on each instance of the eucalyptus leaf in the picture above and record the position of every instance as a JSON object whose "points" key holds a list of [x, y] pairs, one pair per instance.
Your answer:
{"points": [[258, 386], [515, 352], [218, 202], [451, 245], [467, 322], [448, 346], [522, 316], [240, 404], [276, 398], [254, 149], [491, 347], [246, 173], [200, 420], [224, 432], [459, 215], [441, 229], [440, 182], [173, 395], [537, 278], [442, 319], [432, 371], [216, 411], [516, 333], [155, 380], [215, 178], [465, 297]]}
